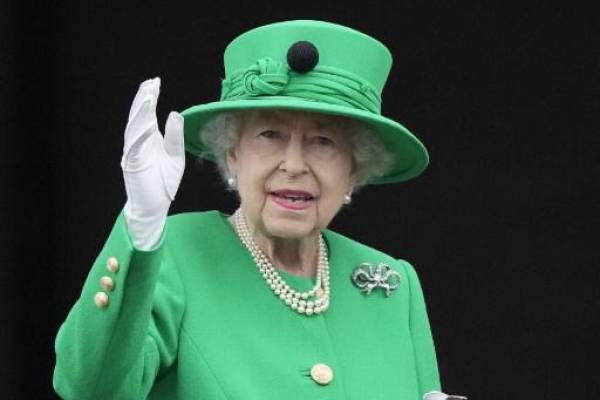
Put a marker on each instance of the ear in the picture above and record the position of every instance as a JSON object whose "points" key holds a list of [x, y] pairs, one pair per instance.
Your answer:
{"points": [[352, 180], [350, 189], [232, 160]]}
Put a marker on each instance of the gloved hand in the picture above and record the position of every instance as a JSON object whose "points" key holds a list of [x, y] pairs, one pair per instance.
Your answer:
{"points": [[435, 395], [152, 166]]}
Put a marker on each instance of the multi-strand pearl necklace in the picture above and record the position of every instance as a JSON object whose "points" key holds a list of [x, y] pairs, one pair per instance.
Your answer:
{"points": [[311, 302]]}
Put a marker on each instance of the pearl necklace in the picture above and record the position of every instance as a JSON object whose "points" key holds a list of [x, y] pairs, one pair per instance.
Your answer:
{"points": [[311, 302]]}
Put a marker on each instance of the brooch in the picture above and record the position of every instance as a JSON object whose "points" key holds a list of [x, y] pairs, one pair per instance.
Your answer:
{"points": [[368, 277]]}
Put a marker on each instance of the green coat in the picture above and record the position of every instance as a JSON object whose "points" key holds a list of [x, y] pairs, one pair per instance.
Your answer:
{"points": [[194, 319]]}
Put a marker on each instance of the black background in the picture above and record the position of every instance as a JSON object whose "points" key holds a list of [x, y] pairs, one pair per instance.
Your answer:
{"points": [[501, 227]]}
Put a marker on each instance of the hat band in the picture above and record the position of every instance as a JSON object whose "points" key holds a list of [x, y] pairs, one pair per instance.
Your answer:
{"points": [[331, 85]]}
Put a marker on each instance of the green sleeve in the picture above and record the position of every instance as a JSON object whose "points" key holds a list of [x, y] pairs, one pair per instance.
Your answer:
{"points": [[118, 351], [423, 345]]}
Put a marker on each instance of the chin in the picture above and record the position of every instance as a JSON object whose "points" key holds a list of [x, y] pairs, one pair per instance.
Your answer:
{"points": [[287, 229]]}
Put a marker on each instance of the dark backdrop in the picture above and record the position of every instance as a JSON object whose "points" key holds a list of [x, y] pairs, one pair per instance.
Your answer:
{"points": [[500, 227]]}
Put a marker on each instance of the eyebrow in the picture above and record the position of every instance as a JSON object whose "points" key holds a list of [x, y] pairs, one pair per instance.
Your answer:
{"points": [[320, 124]]}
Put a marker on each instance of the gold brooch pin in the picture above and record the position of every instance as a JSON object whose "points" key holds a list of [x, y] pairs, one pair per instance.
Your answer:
{"points": [[368, 277]]}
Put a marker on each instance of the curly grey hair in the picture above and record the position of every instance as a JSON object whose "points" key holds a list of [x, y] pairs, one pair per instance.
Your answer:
{"points": [[371, 159]]}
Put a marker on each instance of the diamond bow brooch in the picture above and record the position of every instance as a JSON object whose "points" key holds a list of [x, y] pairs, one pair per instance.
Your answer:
{"points": [[368, 277]]}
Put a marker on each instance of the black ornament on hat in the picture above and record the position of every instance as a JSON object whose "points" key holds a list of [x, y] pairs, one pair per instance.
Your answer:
{"points": [[302, 56]]}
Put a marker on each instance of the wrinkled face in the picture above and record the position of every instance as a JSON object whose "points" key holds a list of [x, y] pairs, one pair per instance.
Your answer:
{"points": [[293, 169]]}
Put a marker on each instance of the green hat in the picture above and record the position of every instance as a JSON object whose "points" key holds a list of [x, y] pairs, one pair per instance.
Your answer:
{"points": [[311, 66]]}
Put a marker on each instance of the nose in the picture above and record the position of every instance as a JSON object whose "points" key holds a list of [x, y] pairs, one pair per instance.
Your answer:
{"points": [[293, 161]]}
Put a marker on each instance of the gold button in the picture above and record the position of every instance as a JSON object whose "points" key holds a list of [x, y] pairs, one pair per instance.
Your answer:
{"points": [[112, 264], [107, 283], [321, 373], [101, 300]]}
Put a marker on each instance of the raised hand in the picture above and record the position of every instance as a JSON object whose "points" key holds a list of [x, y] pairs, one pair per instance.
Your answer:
{"points": [[152, 166]]}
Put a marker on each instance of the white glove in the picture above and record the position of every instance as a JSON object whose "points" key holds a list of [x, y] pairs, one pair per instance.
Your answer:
{"points": [[435, 395], [152, 166]]}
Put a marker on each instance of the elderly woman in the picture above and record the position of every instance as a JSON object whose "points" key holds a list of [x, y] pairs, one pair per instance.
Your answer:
{"points": [[266, 303]]}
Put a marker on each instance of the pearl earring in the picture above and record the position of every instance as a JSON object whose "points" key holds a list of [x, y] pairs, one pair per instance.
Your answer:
{"points": [[231, 182], [347, 198]]}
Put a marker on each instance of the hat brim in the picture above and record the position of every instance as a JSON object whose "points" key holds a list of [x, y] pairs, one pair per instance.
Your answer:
{"points": [[410, 156]]}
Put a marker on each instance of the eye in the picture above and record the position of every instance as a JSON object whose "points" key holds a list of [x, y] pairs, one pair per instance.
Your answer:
{"points": [[322, 141], [270, 134]]}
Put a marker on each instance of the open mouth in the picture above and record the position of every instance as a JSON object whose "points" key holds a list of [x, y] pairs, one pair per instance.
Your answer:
{"points": [[292, 199]]}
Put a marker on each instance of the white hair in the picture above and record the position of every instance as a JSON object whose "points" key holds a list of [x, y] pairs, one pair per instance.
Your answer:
{"points": [[371, 159]]}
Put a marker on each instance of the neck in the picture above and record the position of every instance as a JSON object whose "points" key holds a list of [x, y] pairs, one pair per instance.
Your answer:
{"points": [[298, 256]]}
